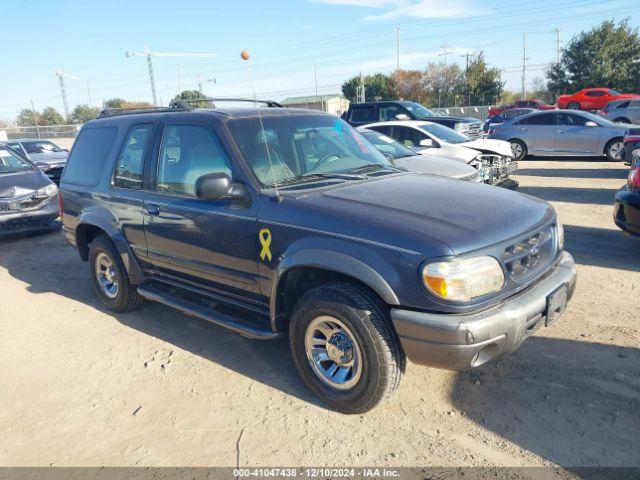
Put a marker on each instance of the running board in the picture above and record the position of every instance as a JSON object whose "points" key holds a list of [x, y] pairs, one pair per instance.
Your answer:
{"points": [[231, 323]]}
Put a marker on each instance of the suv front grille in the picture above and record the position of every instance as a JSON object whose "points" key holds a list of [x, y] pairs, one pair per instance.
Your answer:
{"points": [[473, 130], [530, 256]]}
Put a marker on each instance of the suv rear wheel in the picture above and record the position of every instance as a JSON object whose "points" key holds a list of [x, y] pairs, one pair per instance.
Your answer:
{"points": [[344, 347], [109, 277]]}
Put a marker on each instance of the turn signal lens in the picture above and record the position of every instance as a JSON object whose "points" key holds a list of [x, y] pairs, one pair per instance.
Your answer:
{"points": [[463, 279]]}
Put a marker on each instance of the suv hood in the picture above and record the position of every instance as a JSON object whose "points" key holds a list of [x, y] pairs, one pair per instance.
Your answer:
{"points": [[425, 213], [486, 145]]}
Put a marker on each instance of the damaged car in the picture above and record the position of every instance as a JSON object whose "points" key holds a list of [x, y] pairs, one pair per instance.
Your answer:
{"points": [[45, 154], [493, 159], [404, 157], [28, 198]]}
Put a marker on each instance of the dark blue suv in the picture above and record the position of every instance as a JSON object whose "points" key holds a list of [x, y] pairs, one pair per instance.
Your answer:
{"points": [[273, 220]]}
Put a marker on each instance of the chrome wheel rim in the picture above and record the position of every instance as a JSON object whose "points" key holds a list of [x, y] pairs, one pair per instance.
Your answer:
{"points": [[615, 150], [333, 352], [516, 149], [107, 276]]}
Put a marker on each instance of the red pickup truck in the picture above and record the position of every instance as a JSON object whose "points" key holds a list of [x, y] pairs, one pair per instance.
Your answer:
{"points": [[533, 103]]}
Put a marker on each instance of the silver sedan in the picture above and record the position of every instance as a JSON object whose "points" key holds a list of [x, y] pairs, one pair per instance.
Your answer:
{"points": [[562, 133]]}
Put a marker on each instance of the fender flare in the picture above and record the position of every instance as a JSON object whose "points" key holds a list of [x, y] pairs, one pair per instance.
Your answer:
{"points": [[96, 219], [332, 261]]}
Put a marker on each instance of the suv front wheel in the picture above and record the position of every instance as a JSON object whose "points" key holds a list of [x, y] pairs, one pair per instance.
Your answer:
{"points": [[109, 277], [344, 347]]}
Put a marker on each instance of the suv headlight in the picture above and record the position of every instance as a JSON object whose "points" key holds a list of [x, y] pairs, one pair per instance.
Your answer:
{"points": [[460, 126], [463, 279], [48, 191]]}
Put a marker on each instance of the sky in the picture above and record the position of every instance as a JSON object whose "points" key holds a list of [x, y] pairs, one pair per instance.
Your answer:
{"points": [[297, 47]]}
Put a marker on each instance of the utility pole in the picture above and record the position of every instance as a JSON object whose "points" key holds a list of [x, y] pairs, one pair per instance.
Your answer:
{"points": [[397, 48], [315, 76], [63, 90], [557, 30], [444, 53], [524, 65], [148, 54], [361, 90], [35, 118]]}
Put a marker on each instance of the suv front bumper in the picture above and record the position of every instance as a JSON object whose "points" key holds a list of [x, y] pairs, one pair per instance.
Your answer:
{"points": [[457, 341]]}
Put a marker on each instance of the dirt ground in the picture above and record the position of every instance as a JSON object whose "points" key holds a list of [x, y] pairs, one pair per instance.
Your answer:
{"points": [[83, 387]]}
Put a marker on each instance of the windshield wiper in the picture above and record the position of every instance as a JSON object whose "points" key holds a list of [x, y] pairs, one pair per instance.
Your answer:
{"points": [[309, 177], [372, 167]]}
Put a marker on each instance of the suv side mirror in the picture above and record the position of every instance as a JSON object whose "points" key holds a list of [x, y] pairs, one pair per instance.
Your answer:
{"points": [[402, 116], [590, 124], [427, 143], [218, 186]]}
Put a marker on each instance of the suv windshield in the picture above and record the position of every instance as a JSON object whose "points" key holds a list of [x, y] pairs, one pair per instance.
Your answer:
{"points": [[10, 162], [41, 147], [387, 145], [297, 148], [418, 111], [443, 133]]}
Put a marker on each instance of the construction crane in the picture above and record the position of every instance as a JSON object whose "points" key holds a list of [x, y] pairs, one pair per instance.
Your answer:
{"points": [[63, 90], [149, 54]]}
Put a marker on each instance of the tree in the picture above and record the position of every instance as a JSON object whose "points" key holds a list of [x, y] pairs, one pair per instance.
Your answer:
{"points": [[84, 113], [122, 103], [479, 83], [28, 118], [407, 85], [192, 95], [606, 56], [440, 82], [375, 87], [50, 116]]}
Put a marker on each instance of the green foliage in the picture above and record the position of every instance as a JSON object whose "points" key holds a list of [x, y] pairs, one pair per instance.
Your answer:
{"points": [[28, 118], [407, 85], [122, 103], [50, 116], [375, 87], [479, 83], [192, 95], [606, 56], [84, 113], [440, 82]]}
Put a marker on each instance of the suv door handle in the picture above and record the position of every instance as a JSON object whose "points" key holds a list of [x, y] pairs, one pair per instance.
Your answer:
{"points": [[153, 210]]}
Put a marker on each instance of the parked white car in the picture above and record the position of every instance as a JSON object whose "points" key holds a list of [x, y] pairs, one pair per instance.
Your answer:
{"points": [[493, 158]]}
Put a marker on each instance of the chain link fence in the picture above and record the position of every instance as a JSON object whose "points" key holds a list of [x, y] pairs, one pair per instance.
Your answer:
{"points": [[481, 112], [44, 132]]}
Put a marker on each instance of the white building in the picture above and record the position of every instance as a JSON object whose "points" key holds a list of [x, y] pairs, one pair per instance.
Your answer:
{"points": [[333, 103]]}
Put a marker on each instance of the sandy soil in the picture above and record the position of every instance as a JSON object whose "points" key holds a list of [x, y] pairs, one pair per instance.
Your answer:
{"points": [[81, 386]]}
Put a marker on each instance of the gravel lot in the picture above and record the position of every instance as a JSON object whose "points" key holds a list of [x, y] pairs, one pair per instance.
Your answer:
{"points": [[81, 386]]}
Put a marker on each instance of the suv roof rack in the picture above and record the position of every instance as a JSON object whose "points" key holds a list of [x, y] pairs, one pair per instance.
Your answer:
{"points": [[110, 112], [196, 102], [181, 105]]}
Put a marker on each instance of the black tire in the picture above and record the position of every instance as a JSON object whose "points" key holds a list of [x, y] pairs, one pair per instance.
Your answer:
{"points": [[515, 144], [622, 120], [573, 106], [367, 318], [613, 143], [126, 299]]}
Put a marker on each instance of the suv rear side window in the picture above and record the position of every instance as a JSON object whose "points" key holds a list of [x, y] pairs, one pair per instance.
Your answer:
{"points": [[128, 173], [189, 152], [363, 114], [89, 153]]}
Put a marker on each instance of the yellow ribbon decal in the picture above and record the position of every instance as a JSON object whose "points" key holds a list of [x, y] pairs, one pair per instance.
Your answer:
{"points": [[265, 240]]}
